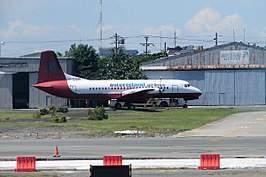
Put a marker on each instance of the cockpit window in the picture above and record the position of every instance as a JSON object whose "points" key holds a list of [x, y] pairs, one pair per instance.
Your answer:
{"points": [[187, 85]]}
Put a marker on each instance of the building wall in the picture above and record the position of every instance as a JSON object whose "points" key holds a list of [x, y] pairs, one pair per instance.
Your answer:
{"points": [[6, 91], [223, 87], [228, 74]]}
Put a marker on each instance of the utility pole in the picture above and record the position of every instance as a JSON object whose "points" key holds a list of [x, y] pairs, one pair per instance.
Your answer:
{"points": [[175, 38], [244, 35], [116, 43], [119, 42], [160, 40], [234, 35], [1, 43], [146, 44], [216, 38]]}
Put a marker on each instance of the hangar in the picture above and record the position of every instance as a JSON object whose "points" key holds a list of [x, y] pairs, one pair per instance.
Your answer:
{"points": [[227, 74], [17, 75]]}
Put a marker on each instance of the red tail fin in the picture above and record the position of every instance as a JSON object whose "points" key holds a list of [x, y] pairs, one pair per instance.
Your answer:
{"points": [[50, 69]]}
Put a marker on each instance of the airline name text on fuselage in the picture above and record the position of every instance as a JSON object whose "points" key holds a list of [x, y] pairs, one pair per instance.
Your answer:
{"points": [[136, 85]]}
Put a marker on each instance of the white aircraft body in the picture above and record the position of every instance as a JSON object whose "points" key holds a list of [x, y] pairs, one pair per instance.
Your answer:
{"points": [[53, 80]]}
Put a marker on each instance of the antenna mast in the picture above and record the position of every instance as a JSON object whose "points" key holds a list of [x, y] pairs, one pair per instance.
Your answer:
{"points": [[101, 23]]}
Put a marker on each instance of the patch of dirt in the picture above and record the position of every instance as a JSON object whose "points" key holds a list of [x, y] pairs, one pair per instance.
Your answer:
{"points": [[58, 132], [43, 133]]}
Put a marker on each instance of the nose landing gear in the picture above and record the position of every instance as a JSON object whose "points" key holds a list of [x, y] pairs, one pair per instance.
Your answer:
{"points": [[185, 104]]}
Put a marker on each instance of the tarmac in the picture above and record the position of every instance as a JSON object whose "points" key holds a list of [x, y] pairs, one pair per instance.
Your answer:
{"points": [[240, 139]]}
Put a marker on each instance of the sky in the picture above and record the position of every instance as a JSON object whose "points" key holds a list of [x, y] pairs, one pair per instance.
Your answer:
{"points": [[28, 26]]}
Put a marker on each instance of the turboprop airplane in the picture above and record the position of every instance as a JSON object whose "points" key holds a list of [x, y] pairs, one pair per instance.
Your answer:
{"points": [[53, 80]]}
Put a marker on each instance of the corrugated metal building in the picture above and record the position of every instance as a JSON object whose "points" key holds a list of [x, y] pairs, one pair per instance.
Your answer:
{"points": [[17, 75], [228, 74]]}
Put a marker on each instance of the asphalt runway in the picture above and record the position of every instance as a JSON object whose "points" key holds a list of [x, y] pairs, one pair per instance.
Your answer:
{"points": [[169, 147]]}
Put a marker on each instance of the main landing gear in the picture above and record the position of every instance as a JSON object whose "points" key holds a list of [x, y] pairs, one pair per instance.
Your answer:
{"points": [[118, 105]]}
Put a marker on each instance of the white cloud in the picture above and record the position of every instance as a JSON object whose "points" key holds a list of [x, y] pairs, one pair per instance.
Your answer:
{"points": [[203, 20], [107, 28], [209, 20], [233, 21], [18, 28], [73, 29]]}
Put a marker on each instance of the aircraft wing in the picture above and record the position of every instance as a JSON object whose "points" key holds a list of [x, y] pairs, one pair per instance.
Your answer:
{"points": [[137, 92]]}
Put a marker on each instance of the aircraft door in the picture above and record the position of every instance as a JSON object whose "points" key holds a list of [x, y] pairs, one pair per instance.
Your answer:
{"points": [[175, 89]]}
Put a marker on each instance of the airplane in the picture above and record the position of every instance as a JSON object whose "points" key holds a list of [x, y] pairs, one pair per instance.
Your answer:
{"points": [[52, 80]]}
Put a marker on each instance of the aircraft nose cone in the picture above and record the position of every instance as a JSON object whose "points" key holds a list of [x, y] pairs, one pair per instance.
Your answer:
{"points": [[196, 90]]}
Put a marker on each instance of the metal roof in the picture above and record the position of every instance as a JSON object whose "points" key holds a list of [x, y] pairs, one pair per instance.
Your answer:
{"points": [[203, 50]]}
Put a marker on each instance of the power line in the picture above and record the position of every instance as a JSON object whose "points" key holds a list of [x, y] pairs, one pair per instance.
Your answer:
{"points": [[57, 41]]}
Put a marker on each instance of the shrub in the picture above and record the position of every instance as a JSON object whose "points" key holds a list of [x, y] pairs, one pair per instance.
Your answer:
{"points": [[62, 109], [52, 109], [97, 113], [44, 111], [58, 119], [37, 115], [5, 119], [62, 119]]}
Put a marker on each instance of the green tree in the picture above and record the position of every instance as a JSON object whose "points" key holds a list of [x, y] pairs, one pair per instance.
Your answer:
{"points": [[87, 60], [119, 66], [142, 58]]}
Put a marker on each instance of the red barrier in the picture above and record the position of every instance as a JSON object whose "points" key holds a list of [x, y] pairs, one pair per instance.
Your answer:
{"points": [[25, 164], [112, 160], [209, 162]]}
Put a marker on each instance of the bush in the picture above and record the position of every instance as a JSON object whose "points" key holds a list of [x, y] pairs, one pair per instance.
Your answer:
{"points": [[37, 115], [52, 109], [62, 119], [44, 111], [58, 119], [62, 109], [97, 113]]}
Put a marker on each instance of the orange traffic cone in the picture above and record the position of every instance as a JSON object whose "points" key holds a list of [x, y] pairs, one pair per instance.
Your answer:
{"points": [[56, 153]]}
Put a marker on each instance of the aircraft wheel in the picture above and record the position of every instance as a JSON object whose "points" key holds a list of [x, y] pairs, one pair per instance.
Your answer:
{"points": [[163, 104], [131, 106], [185, 106], [118, 106], [126, 104]]}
